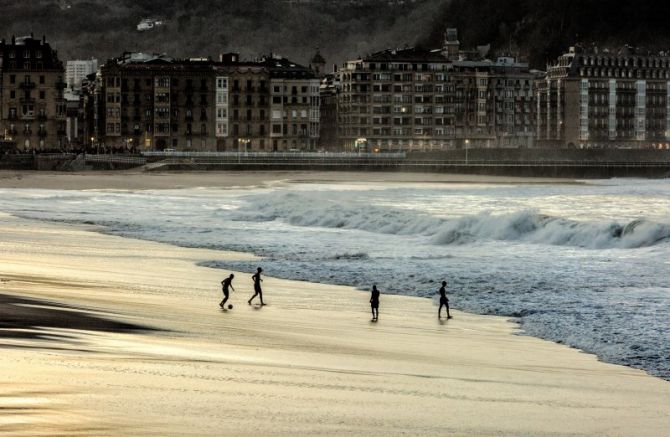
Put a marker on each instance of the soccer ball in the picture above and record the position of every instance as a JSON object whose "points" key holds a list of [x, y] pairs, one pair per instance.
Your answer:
{"points": [[230, 306]]}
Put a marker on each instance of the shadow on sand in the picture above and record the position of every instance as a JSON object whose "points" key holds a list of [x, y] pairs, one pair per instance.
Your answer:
{"points": [[22, 318]]}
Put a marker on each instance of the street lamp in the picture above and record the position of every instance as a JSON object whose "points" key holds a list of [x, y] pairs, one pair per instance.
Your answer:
{"points": [[467, 143], [241, 141]]}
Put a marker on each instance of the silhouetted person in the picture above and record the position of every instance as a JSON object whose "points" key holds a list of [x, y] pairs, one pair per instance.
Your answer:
{"points": [[225, 285], [258, 291], [374, 302], [443, 300]]}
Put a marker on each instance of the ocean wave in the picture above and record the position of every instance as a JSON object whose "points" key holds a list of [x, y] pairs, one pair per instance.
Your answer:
{"points": [[527, 226], [532, 227]]}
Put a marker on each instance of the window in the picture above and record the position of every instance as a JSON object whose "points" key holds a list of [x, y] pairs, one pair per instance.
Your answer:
{"points": [[42, 80], [12, 77], [42, 95]]}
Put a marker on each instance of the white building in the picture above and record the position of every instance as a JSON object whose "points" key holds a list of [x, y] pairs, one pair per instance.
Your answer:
{"points": [[148, 24], [77, 70]]}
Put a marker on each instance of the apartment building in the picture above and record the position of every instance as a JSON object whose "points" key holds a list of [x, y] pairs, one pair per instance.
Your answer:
{"points": [[591, 98], [242, 105], [32, 109], [415, 99], [76, 72], [156, 102], [329, 90], [387, 100], [491, 103], [295, 105]]}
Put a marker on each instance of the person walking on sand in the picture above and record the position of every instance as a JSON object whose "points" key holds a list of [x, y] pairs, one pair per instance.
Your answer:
{"points": [[258, 291], [443, 301], [374, 303], [225, 285]]}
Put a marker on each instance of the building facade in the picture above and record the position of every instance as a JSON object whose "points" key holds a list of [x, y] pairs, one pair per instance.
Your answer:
{"points": [[329, 91], [387, 100], [414, 99], [605, 99], [154, 102], [491, 103], [76, 72], [295, 106], [32, 109]]}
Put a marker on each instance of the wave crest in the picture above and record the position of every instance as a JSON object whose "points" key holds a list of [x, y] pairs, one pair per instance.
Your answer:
{"points": [[527, 226]]}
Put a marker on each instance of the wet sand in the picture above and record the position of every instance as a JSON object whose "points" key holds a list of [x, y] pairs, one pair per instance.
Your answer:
{"points": [[309, 363], [140, 180]]}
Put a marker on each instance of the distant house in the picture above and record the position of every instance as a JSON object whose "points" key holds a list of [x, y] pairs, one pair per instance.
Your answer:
{"points": [[148, 24]]}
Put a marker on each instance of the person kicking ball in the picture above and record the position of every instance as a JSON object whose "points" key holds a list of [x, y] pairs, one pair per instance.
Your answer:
{"points": [[225, 285]]}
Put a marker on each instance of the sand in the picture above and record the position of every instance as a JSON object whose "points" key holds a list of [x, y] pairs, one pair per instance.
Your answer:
{"points": [[309, 363], [139, 180]]}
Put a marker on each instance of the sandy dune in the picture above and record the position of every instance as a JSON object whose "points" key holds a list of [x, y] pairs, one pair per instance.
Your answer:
{"points": [[308, 363]]}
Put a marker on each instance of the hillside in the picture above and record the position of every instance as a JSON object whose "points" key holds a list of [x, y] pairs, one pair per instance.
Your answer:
{"points": [[536, 29], [103, 28], [543, 29]]}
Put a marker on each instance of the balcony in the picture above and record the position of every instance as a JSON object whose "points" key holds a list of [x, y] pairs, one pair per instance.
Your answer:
{"points": [[27, 85]]}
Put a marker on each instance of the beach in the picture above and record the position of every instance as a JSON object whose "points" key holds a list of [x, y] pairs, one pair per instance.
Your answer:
{"points": [[140, 180], [105, 335]]}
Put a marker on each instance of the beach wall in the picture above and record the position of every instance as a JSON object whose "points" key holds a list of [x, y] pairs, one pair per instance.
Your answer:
{"points": [[587, 170], [548, 154], [555, 163]]}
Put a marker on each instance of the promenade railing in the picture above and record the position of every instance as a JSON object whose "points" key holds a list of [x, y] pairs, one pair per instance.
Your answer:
{"points": [[274, 155]]}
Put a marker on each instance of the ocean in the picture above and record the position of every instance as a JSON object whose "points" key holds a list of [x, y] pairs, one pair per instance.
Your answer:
{"points": [[585, 264]]}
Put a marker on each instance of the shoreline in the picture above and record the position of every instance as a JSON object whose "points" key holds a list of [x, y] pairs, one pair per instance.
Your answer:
{"points": [[319, 369], [140, 180]]}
